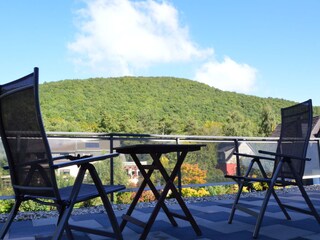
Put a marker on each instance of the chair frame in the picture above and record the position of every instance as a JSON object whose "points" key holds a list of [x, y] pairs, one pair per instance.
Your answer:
{"points": [[279, 161], [63, 204]]}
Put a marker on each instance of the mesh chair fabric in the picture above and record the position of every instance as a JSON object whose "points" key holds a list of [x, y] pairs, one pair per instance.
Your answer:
{"points": [[296, 126], [25, 146]]}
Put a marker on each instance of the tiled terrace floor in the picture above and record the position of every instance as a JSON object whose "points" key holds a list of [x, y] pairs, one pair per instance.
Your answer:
{"points": [[211, 216]]}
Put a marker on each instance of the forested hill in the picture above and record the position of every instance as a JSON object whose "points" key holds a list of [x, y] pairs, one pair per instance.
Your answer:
{"points": [[159, 105]]}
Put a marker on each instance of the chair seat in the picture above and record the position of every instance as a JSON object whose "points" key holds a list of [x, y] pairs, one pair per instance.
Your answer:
{"points": [[88, 191]]}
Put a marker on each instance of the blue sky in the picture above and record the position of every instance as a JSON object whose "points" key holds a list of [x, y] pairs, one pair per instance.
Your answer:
{"points": [[263, 48]]}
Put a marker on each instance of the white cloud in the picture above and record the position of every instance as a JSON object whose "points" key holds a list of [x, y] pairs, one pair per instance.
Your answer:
{"points": [[122, 37], [118, 37], [228, 75]]}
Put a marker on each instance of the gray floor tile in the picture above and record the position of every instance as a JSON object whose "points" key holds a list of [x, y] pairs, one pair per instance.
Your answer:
{"points": [[211, 217]]}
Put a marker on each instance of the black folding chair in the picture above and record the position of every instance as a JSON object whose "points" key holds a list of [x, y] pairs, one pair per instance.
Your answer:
{"points": [[32, 167], [289, 163]]}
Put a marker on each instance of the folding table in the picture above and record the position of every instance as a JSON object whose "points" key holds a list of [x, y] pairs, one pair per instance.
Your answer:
{"points": [[155, 151]]}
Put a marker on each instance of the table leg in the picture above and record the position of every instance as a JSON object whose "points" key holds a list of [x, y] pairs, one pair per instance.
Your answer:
{"points": [[176, 194], [185, 209], [152, 218], [138, 194], [133, 204], [152, 187]]}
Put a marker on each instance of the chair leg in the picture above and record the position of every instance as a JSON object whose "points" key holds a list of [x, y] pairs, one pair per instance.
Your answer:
{"points": [[10, 218], [241, 185], [234, 206], [69, 233], [262, 211], [284, 210], [61, 210], [112, 217], [308, 201], [266, 200], [62, 223], [106, 203], [63, 220]]}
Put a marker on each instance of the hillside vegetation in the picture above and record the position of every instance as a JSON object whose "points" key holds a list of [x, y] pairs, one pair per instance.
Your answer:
{"points": [[158, 105]]}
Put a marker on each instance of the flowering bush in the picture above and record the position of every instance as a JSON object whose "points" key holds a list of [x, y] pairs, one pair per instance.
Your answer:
{"points": [[124, 197], [190, 192], [6, 206], [193, 174], [146, 196]]}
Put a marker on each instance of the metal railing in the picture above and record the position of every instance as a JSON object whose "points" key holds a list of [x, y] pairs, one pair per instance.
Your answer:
{"points": [[97, 143], [118, 139]]}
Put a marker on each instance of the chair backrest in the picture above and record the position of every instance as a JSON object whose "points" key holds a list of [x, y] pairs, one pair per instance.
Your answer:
{"points": [[296, 125], [24, 139]]}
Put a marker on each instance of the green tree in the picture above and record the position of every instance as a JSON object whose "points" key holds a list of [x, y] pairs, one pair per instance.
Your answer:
{"points": [[268, 121], [192, 127], [211, 128], [238, 125], [107, 124], [4, 190], [168, 125]]}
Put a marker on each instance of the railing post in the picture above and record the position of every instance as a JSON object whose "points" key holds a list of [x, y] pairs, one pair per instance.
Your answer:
{"points": [[179, 172], [318, 146], [236, 147], [111, 164]]}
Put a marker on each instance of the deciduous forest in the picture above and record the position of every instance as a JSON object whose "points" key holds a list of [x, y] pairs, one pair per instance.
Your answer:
{"points": [[156, 105]]}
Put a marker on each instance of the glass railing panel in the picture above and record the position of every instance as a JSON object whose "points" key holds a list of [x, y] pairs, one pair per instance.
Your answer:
{"points": [[205, 167]]}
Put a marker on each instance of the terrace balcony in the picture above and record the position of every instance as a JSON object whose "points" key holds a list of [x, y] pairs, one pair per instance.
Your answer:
{"points": [[211, 213]]}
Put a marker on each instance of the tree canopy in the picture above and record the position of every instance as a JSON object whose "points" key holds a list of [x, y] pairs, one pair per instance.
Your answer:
{"points": [[158, 105]]}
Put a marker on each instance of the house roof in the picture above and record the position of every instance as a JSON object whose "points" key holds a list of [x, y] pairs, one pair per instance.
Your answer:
{"points": [[315, 132]]}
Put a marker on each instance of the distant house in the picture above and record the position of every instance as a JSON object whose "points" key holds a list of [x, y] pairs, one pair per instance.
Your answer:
{"points": [[315, 132], [133, 172], [227, 161]]}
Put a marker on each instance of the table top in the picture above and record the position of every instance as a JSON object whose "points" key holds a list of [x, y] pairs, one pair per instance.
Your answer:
{"points": [[158, 148]]}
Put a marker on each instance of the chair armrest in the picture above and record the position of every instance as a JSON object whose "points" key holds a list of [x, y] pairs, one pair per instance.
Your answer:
{"points": [[253, 156], [85, 160], [61, 157], [70, 157], [284, 155]]}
